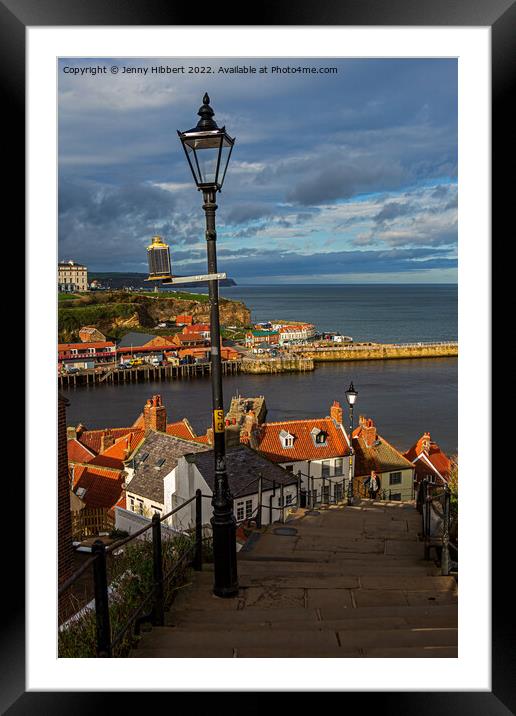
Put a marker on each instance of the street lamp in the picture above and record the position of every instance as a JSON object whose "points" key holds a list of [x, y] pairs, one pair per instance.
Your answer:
{"points": [[208, 148], [351, 396]]}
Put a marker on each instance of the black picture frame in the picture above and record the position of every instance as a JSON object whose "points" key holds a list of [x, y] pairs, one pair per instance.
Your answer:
{"points": [[500, 16]]}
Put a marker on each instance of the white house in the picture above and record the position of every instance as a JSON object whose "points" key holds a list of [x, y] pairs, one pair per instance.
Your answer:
{"points": [[317, 447], [166, 471]]}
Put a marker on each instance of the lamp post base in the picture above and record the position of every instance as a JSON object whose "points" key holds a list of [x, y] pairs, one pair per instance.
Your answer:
{"points": [[224, 557]]}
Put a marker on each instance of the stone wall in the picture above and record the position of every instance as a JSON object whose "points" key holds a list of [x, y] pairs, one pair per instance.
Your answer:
{"points": [[277, 365], [382, 352]]}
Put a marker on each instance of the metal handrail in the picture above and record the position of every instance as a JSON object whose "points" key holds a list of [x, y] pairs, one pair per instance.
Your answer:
{"points": [[105, 640], [425, 503]]}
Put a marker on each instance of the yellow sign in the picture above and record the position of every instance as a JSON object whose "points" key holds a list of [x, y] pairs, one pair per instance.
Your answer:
{"points": [[218, 421]]}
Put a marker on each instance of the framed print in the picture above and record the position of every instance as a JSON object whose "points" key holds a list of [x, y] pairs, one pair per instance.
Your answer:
{"points": [[246, 220]]}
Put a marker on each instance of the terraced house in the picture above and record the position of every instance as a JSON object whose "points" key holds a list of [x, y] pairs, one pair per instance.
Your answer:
{"points": [[317, 447], [373, 452]]}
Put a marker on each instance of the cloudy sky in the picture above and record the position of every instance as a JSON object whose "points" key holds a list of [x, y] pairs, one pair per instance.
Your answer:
{"points": [[335, 177]]}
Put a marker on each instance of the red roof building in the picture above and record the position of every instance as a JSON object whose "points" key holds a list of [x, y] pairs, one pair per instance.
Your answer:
{"points": [[316, 447], [429, 460], [98, 486]]}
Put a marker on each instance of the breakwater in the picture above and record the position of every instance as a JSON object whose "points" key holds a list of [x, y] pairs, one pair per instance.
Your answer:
{"points": [[379, 351], [290, 364]]}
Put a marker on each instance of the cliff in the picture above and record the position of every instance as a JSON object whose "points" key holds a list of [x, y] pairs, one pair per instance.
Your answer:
{"points": [[117, 312]]}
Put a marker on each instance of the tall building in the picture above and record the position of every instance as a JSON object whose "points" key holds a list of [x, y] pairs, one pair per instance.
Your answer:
{"points": [[158, 256], [72, 276]]}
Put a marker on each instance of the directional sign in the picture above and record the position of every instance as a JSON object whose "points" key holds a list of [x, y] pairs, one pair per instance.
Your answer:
{"points": [[195, 279]]}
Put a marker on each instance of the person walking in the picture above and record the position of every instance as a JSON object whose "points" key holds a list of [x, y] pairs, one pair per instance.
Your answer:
{"points": [[374, 485]]}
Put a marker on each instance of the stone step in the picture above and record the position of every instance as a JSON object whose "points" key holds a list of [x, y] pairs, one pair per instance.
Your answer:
{"points": [[247, 621], [413, 615], [277, 643], [330, 571]]}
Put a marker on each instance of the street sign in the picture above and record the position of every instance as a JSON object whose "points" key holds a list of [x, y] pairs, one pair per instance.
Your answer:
{"points": [[195, 279]]}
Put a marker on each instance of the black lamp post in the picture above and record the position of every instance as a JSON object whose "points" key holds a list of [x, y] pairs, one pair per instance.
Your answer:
{"points": [[208, 148], [351, 396]]}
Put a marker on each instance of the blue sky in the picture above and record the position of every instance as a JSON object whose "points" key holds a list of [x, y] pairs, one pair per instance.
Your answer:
{"points": [[335, 178]]}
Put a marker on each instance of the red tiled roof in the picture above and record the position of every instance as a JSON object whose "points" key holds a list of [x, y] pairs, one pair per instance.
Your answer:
{"points": [[181, 429], [92, 438], [304, 448], [426, 451], [103, 486], [115, 455], [84, 346], [78, 452]]}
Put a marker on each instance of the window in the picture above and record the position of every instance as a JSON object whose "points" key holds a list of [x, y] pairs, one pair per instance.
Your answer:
{"points": [[131, 503], [154, 508], [289, 499], [248, 508], [320, 438], [339, 465], [139, 507], [289, 468], [395, 478], [240, 511], [325, 468], [337, 492], [395, 496], [326, 494]]}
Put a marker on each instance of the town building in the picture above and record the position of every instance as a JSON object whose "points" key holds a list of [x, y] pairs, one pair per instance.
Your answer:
{"points": [[197, 330], [184, 320], [165, 472], [429, 461], [153, 417], [294, 332], [85, 355], [152, 465], [71, 277], [145, 346], [372, 452], [253, 338], [317, 447]]}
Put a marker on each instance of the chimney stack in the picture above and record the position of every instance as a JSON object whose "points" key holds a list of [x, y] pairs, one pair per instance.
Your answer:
{"points": [[106, 440], [368, 430], [155, 415], [336, 412]]}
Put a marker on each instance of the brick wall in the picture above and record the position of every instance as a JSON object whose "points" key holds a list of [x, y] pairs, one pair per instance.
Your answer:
{"points": [[64, 520]]}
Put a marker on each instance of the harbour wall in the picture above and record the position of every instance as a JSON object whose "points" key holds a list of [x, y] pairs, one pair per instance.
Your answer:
{"points": [[291, 364], [381, 351]]}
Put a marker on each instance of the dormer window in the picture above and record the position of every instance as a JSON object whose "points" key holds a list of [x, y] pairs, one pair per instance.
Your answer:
{"points": [[319, 436], [287, 440]]}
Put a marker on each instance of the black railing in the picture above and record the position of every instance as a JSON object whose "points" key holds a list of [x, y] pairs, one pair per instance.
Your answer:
{"points": [[433, 502], [152, 607]]}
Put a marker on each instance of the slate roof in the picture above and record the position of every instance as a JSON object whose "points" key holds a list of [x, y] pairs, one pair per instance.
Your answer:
{"points": [[243, 466], [135, 339], [148, 476], [304, 448]]}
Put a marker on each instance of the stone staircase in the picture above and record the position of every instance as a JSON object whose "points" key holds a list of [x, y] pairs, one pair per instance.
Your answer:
{"points": [[339, 582]]}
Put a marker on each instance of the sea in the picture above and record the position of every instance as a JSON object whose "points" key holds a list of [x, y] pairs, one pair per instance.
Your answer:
{"points": [[404, 397]]}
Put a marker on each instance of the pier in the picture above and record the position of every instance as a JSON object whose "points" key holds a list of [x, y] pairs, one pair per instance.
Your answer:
{"points": [[378, 351], [120, 376]]}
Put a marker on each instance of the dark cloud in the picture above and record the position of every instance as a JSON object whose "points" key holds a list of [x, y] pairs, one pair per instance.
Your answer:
{"points": [[379, 127]]}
